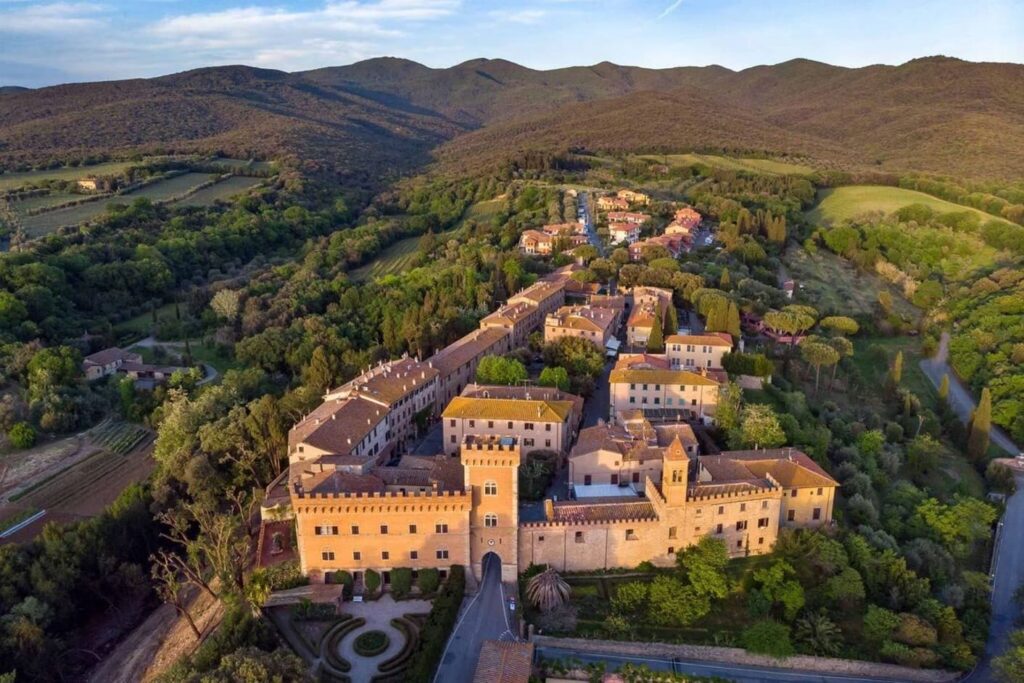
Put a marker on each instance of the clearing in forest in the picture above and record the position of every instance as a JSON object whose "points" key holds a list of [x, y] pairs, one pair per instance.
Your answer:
{"points": [[842, 203]]}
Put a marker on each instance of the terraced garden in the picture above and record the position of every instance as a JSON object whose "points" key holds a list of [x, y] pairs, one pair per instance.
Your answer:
{"points": [[118, 437]]}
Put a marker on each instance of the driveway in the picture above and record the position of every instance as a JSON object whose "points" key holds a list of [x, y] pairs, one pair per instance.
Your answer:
{"points": [[728, 672], [484, 617], [960, 398], [1008, 574], [588, 224]]}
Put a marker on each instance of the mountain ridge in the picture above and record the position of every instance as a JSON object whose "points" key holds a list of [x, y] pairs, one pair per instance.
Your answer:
{"points": [[388, 115]]}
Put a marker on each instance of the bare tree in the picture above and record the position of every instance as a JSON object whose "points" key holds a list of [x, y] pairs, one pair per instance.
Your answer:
{"points": [[170, 587]]}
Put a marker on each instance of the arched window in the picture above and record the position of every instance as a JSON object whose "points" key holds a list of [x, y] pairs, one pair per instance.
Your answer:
{"points": [[490, 488], [491, 520]]}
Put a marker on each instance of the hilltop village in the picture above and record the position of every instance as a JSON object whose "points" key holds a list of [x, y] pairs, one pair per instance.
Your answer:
{"points": [[638, 481]]}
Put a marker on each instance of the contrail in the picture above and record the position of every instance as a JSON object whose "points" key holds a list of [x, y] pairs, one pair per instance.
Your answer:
{"points": [[670, 9]]}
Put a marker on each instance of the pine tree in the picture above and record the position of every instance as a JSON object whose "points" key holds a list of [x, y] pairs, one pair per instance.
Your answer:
{"points": [[656, 340], [944, 388], [977, 442]]}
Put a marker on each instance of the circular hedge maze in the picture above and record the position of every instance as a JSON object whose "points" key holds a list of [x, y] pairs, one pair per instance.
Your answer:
{"points": [[371, 643]]}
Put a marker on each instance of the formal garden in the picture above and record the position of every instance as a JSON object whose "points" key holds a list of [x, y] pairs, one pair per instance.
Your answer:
{"points": [[385, 638]]}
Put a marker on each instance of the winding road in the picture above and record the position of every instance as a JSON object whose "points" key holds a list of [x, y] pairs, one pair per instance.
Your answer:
{"points": [[484, 617], [960, 398]]}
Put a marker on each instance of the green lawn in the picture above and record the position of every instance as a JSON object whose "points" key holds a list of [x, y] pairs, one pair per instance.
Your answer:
{"points": [[9, 181], [841, 203], [835, 287], [769, 166], [143, 324], [201, 353], [224, 190]]}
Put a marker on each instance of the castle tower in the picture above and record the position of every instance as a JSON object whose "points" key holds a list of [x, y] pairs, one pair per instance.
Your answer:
{"points": [[491, 465], [675, 473]]}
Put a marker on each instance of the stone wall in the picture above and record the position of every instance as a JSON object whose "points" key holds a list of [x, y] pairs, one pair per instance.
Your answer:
{"points": [[731, 655]]}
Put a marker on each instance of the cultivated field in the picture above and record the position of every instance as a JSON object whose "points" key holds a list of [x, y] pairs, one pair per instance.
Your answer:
{"points": [[165, 189], [9, 181], [109, 457], [224, 190], [769, 166], [841, 203], [23, 206]]}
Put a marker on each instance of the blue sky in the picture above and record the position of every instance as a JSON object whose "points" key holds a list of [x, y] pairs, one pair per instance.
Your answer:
{"points": [[44, 42]]}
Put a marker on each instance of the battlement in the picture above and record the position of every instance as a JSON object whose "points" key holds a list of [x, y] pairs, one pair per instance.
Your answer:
{"points": [[371, 496], [474, 442], [565, 523]]}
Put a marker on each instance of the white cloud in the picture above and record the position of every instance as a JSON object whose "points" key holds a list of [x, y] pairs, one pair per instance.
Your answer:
{"points": [[56, 17], [670, 9], [523, 16]]}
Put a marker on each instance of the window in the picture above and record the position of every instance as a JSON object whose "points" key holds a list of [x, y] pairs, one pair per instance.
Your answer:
{"points": [[529, 426], [385, 555], [510, 425], [657, 401], [540, 539], [472, 423], [764, 504], [793, 494], [721, 509], [384, 528], [442, 554], [718, 529], [700, 511], [739, 543], [357, 555], [671, 550], [327, 556], [632, 399], [671, 532], [547, 443], [579, 537], [696, 529], [527, 442], [820, 490], [414, 555], [760, 540], [645, 387], [547, 427], [412, 528], [762, 523], [636, 477], [677, 476], [816, 514], [490, 488], [490, 521], [440, 528], [586, 479], [630, 535], [326, 531], [453, 438], [452, 423], [741, 525], [632, 386], [615, 479], [355, 530], [490, 424], [791, 516], [743, 507]]}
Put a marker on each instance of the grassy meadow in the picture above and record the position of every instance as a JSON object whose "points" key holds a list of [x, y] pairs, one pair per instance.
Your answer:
{"points": [[769, 166], [10, 181], [225, 189], [841, 203]]}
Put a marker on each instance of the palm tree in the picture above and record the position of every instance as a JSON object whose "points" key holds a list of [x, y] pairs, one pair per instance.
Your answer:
{"points": [[548, 590], [819, 633]]}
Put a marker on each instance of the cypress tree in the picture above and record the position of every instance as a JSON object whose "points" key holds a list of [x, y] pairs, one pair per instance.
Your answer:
{"points": [[656, 340], [724, 282], [671, 321], [977, 442], [896, 372], [732, 320]]}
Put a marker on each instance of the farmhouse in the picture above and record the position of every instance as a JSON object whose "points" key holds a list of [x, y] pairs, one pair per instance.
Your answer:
{"points": [[536, 242]]}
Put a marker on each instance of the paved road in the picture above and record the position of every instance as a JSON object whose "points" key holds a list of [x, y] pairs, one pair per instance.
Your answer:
{"points": [[960, 398], [485, 617], [581, 200], [1008, 573], [729, 672]]}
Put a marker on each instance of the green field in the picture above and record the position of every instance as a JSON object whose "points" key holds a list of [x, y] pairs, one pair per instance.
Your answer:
{"points": [[224, 190], [841, 203], [769, 166], [165, 189], [400, 256], [23, 206], [835, 287], [9, 181]]}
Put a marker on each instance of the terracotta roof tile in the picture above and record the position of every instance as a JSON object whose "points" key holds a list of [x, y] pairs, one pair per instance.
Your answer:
{"points": [[504, 662]]}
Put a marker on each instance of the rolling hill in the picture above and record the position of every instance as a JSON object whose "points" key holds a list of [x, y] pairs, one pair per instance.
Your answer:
{"points": [[387, 115]]}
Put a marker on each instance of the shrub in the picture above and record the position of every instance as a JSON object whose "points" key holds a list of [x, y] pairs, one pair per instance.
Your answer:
{"points": [[22, 435], [400, 661], [767, 637], [630, 598], [371, 643], [561, 619], [428, 580], [372, 582], [401, 582]]}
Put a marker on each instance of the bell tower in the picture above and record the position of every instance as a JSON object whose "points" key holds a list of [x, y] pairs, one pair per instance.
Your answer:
{"points": [[491, 467], [675, 473]]}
